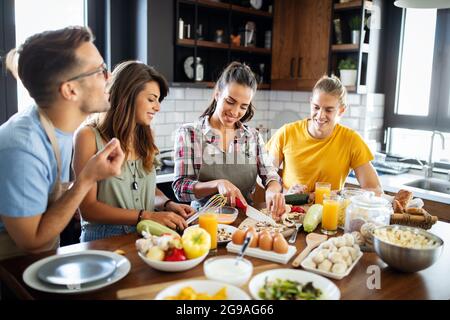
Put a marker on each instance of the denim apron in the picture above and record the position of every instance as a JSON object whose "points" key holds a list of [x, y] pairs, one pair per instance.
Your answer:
{"points": [[8, 247]]}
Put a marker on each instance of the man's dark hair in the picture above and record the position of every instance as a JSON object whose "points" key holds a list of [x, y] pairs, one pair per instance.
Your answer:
{"points": [[46, 59]]}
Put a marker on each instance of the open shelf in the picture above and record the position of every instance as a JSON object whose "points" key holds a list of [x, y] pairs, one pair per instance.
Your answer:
{"points": [[228, 6], [353, 5], [210, 84], [346, 47]]}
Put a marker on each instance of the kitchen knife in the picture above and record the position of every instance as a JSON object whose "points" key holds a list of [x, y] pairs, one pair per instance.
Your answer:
{"points": [[258, 215]]}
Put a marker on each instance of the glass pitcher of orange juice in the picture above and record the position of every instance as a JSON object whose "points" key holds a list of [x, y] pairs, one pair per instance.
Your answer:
{"points": [[322, 188], [330, 212], [208, 221]]}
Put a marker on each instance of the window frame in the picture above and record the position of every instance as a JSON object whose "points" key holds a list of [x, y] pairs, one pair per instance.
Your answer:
{"points": [[437, 118], [8, 85]]}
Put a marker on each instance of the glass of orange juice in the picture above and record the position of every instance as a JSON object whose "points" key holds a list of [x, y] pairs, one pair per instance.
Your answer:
{"points": [[208, 221], [322, 188], [330, 212]]}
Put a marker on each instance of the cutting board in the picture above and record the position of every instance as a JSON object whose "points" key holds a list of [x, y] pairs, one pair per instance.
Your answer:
{"points": [[149, 292], [249, 222]]}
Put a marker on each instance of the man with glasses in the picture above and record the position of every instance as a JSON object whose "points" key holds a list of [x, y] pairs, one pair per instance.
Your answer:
{"points": [[66, 76]]}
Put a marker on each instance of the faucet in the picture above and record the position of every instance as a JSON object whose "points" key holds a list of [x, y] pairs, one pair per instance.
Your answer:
{"points": [[428, 168]]}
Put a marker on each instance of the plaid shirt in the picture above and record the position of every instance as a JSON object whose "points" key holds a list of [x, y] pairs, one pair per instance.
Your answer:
{"points": [[189, 154]]}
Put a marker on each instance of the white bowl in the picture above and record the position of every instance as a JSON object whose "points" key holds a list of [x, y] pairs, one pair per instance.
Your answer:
{"points": [[224, 268], [204, 286], [329, 289], [173, 266]]}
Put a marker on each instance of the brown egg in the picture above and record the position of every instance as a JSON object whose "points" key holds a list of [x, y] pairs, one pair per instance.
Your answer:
{"points": [[238, 237], [280, 244], [254, 241], [265, 240]]}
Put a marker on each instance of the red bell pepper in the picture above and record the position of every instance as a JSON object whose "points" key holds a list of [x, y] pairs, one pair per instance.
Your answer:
{"points": [[297, 209], [175, 255]]}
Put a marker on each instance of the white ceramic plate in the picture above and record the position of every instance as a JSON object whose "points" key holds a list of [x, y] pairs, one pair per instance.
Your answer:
{"points": [[205, 286], [226, 227], [331, 275], [30, 275], [329, 289], [173, 266]]}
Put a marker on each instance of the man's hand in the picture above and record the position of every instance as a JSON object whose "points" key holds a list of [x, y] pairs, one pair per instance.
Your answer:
{"points": [[106, 163]]}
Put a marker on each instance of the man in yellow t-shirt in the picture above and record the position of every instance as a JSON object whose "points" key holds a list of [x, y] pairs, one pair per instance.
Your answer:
{"points": [[319, 149]]}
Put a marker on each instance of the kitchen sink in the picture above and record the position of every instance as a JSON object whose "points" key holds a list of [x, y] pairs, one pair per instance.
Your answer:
{"points": [[431, 184]]}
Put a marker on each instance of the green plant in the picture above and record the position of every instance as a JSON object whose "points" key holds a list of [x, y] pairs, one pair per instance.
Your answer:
{"points": [[355, 23], [347, 64]]}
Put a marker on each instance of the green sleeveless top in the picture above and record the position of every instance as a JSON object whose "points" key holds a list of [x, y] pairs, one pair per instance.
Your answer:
{"points": [[118, 191]]}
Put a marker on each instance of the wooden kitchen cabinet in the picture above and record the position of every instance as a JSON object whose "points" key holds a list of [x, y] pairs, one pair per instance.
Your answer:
{"points": [[301, 35]]}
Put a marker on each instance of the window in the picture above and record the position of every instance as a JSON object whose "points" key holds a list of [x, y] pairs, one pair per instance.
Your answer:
{"points": [[416, 62], [418, 102], [37, 16]]}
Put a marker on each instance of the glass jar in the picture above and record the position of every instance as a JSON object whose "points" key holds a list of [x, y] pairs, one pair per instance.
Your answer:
{"points": [[367, 208], [347, 194]]}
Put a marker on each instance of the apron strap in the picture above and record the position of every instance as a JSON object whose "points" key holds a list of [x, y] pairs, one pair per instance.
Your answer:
{"points": [[50, 131]]}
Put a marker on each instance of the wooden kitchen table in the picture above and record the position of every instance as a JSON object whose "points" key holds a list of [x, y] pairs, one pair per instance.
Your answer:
{"points": [[431, 283]]}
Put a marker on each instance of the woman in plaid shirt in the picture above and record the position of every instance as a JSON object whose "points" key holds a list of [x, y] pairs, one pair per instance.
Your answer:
{"points": [[220, 154]]}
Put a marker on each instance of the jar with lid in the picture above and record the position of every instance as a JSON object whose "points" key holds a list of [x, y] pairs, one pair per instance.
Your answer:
{"points": [[347, 194], [365, 213], [367, 208]]}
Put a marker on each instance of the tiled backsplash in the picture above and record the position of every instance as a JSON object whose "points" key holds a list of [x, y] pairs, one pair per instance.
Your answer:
{"points": [[182, 105]]}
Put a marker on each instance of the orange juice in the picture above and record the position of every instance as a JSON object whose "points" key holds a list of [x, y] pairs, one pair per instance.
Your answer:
{"points": [[208, 221], [322, 189], [331, 207]]}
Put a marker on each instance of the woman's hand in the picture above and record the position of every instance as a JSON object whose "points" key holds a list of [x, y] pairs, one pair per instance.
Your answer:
{"points": [[230, 191], [297, 188], [166, 218], [276, 204], [181, 209]]}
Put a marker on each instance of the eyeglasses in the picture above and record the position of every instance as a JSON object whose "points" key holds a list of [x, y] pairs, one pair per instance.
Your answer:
{"points": [[103, 69]]}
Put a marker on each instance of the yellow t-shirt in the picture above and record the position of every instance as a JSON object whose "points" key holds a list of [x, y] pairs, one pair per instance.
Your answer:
{"points": [[307, 160]]}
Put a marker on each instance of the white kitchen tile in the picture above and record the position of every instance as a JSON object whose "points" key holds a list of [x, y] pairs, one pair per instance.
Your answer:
{"points": [[275, 106], [175, 94], [294, 106], [284, 95], [193, 94], [160, 117], [261, 95], [164, 129], [375, 99], [175, 117], [184, 105], [170, 141], [273, 95], [200, 105], [353, 98], [208, 93], [305, 108], [168, 105], [355, 111], [351, 123], [301, 96], [261, 105], [191, 116]]}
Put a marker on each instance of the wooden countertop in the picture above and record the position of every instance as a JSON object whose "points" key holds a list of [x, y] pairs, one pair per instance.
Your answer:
{"points": [[431, 283]]}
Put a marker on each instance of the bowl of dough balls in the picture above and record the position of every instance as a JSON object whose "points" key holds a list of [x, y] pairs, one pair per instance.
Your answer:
{"points": [[334, 258], [405, 248]]}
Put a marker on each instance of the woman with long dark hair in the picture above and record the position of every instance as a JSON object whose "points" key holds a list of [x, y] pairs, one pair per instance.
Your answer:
{"points": [[115, 205], [220, 153]]}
